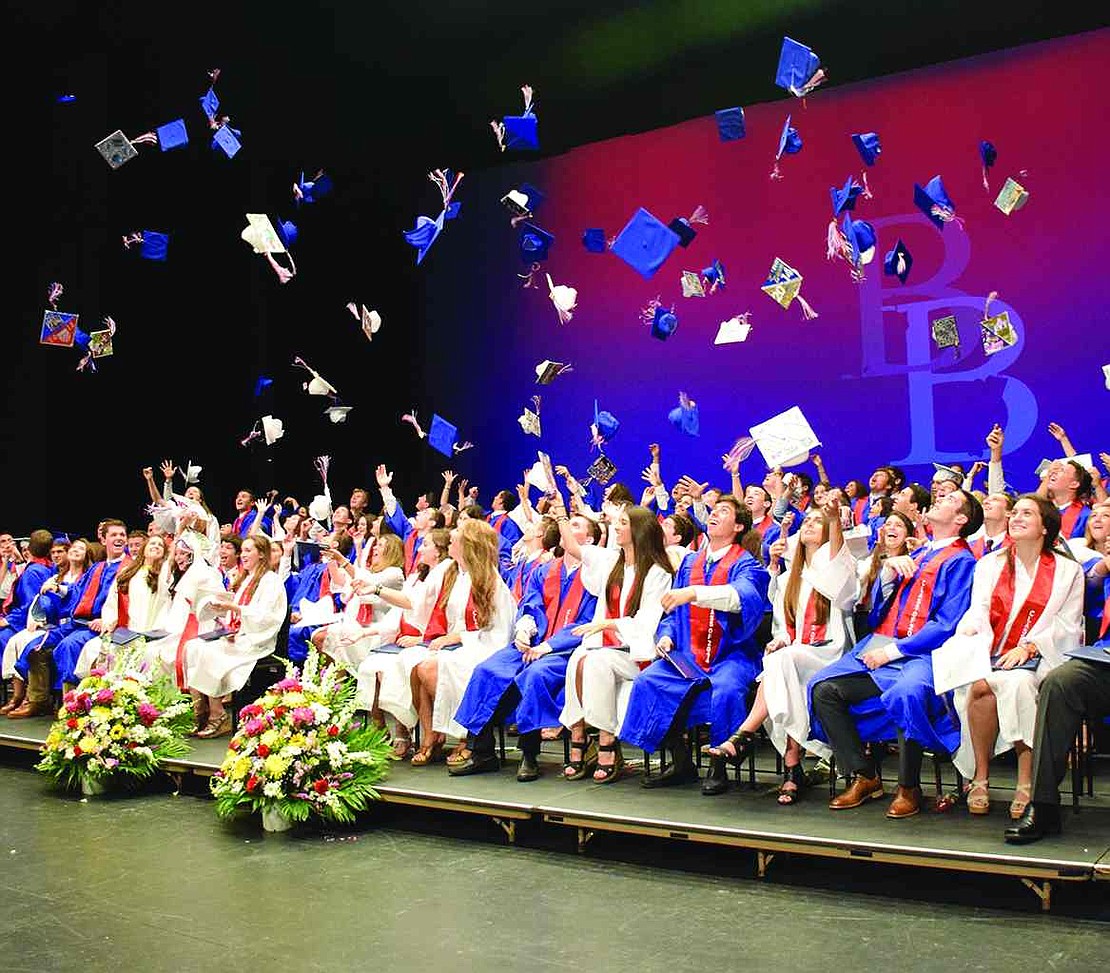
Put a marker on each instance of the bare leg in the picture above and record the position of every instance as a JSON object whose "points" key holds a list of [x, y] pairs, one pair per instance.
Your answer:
{"points": [[758, 715], [982, 725], [1024, 791]]}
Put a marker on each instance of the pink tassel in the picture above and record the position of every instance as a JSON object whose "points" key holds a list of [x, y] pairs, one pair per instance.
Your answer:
{"points": [[986, 183], [459, 447], [991, 297], [776, 173], [807, 311], [410, 418], [132, 238], [53, 292], [700, 215], [499, 132], [867, 194], [833, 241]]}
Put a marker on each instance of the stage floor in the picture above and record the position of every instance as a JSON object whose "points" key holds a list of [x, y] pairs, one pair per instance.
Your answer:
{"points": [[745, 817]]}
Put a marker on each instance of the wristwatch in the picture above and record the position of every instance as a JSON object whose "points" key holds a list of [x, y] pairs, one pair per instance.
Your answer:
{"points": [[377, 590]]}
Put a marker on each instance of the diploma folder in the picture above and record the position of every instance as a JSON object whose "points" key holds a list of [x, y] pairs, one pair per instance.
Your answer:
{"points": [[1092, 653], [125, 636]]}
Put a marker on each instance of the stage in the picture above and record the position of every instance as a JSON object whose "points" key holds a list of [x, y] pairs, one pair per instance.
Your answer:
{"points": [[746, 817]]}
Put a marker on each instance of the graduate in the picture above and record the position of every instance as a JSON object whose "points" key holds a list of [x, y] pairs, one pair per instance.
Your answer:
{"points": [[996, 520], [37, 570], [1068, 485], [528, 675], [884, 688], [412, 534], [811, 626], [711, 614], [506, 517], [247, 513], [1026, 611], [1093, 554], [533, 549], [321, 579]]}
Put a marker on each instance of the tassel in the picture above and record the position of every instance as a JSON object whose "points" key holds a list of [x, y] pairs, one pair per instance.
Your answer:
{"points": [[526, 90], [991, 297], [834, 242], [147, 138], [321, 464], [776, 173], [866, 194], [947, 215], [410, 418], [700, 215], [53, 292], [986, 182], [807, 311], [527, 278], [132, 238], [459, 447], [499, 132], [901, 264]]}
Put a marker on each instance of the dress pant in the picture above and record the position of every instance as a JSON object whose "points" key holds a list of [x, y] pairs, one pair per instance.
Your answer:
{"points": [[1076, 689]]}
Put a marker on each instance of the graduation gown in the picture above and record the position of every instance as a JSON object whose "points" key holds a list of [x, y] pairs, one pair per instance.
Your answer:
{"points": [[181, 622], [69, 638], [349, 641]]}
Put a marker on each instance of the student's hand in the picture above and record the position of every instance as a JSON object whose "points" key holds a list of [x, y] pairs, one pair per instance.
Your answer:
{"points": [[663, 646], [383, 476], [1056, 431], [996, 438], [294, 617], [148, 473], [677, 596], [691, 486], [449, 477], [407, 641], [168, 469], [777, 550], [874, 658], [95, 625], [534, 652], [902, 564], [774, 645], [590, 628]]}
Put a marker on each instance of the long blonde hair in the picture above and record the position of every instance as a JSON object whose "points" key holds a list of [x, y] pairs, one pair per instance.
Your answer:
{"points": [[794, 581], [480, 555]]}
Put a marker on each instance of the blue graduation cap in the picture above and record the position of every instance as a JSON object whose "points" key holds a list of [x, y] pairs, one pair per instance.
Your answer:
{"points": [[790, 142], [861, 237], [988, 153], [534, 243], [868, 147], [442, 436], [664, 323], [521, 131], [797, 68], [172, 135], [65, 99], [645, 243], [310, 190], [594, 240], [845, 199], [427, 231], [262, 383], [684, 416], [730, 124], [933, 201], [287, 231], [605, 425], [155, 245], [898, 262], [210, 103], [714, 275], [226, 140]]}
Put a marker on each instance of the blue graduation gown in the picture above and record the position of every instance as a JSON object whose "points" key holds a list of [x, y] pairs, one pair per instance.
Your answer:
{"points": [[69, 638], [660, 690], [305, 584], [27, 585], [540, 683], [908, 701], [249, 519]]}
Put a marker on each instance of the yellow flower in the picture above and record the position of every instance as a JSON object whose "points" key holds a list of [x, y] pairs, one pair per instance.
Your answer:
{"points": [[269, 738], [118, 732], [240, 768], [296, 740], [101, 713], [275, 765], [293, 699], [88, 744]]}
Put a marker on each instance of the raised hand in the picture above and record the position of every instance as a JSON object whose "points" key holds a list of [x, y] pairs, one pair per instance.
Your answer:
{"points": [[168, 469], [1056, 431], [148, 473], [688, 484], [449, 477], [383, 476]]}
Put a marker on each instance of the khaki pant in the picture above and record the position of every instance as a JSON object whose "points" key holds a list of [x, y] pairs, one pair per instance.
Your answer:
{"points": [[38, 678]]}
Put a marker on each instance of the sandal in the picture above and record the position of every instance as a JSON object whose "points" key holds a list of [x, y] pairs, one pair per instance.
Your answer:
{"points": [[609, 772], [427, 755], [743, 747], [216, 728], [553, 733], [402, 748], [790, 791], [585, 764], [457, 756], [978, 797], [1023, 794]]}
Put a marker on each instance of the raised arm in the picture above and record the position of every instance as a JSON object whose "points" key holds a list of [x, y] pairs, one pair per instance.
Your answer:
{"points": [[1057, 432], [445, 493], [148, 477], [819, 464], [996, 481]]}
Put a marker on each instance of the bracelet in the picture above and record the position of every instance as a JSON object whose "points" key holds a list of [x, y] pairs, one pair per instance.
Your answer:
{"points": [[377, 590]]}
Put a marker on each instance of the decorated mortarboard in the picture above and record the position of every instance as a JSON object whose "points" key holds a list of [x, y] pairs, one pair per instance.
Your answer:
{"points": [[547, 371], [733, 330], [594, 240], [602, 469], [535, 243], [799, 69], [943, 472], [897, 262], [644, 243], [318, 385], [845, 198], [783, 285], [58, 329], [1012, 196], [227, 140], [683, 226], [713, 276], [988, 156], [100, 343], [518, 131], [785, 439], [442, 436], [426, 231], [996, 330], [116, 149], [692, 284], [932, 199], [604, 426], [267, 239], [97, 344], [152, 244], [945, 331], [530, 419], [191, 472], [337, 413], [790, 143], [868, 146], [310, 190], [661, 319], [522, 201], [684, 417], [730, 124], [564, 297], [371, 321]]}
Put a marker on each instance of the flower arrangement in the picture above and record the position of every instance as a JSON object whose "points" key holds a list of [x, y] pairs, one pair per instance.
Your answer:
{"points": [[299, 750], [118, 721]]}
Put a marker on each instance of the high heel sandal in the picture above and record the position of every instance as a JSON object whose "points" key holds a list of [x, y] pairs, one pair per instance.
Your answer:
{"points": [[586, 764], [216, 728], [609, 772], [978, 797], [1017, 805], [743, 745], [427, 755], [792, 794]]}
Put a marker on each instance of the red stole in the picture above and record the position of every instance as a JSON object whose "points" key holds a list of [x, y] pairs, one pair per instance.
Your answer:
{"points": [[899, 624], [1068, 516], [613, 610], [92, 589], [237, 525], [1105, 616], [811, 631], [527, 569], [123, 606], [366, 614], [410, 552], [803, 504], [761, 527], [705, 630], [559, 616], [979, 547], [44, 561], [498, 524], [1002, 600], [471, 614], [859, 510], [437, 623], [191, 630], [235, 619]]}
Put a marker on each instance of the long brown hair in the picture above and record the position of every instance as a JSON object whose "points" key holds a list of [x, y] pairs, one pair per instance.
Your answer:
{"points": [[879, 554], [794, 580], [1051, 521], [440, 539], [136, 564], [261, 544], [648, 549], [479, 551], [86, 563]]}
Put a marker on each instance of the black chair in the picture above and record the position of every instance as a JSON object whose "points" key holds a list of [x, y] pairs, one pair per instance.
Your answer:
{"points": [[266, 672]]}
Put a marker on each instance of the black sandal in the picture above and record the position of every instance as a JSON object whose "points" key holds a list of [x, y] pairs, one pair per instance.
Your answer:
{"points": [[743, 744], [611, 771], [584, 765], [791, 795]]}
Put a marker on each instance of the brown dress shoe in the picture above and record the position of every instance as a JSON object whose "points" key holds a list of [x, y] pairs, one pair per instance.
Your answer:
{"points": [[906, 803], [27, 709], [860, 790]]}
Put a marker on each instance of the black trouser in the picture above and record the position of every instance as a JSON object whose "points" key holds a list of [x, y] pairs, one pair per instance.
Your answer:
{"points": [[1076, 689], [833, 700], [482, 742]]}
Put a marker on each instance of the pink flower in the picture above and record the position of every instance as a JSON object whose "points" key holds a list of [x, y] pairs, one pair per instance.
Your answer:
{"points": [[148, 713], [253, 727], [289, 685], [105, 696], [304, 714], [248, 711], [98, 672]]}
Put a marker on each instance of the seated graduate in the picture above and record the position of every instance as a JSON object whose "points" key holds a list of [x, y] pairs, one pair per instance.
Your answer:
{"points": [[251, 615], [1093, 554], [1077, 689], [227, 560], [894, 539], [709, 658], [36, 572], [413, 533], [527, 677], [811, 626], [1068, 484], [629, 581], [530, 552], [884, 688], [323, 579], [679, 537], [399, 641], [349, 641], [1026, 610], [996, 519], [506, 517], [250, 517]]}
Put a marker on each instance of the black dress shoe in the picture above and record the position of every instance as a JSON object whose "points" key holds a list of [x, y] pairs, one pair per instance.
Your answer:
{"points": [[1038, 821], [679, 772], [475, 764], [529, 769], [716, 781]]}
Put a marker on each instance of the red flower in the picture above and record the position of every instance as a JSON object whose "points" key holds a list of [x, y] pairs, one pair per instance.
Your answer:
{"points": [[77, 751], [71, 724], [233, 745], [333, 731], [279, 712], [320, 786], [263, 750], [252, 783]]}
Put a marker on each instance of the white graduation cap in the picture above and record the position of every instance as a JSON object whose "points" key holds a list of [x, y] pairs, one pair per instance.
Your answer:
{"points": [[946, 473], [1083, 459], [547, 371], [733, 330], [318, 385], [371, 321], [530, 420], [564, 297], [785, 439], [261, 235], [337, 413], [1106, 375], [537, 477], [320, 508], [192, 473], [272, 429]]}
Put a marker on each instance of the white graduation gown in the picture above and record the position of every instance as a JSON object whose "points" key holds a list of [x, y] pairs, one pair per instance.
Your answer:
{"points": [[146, 612], [162, 653], [348, 642]]}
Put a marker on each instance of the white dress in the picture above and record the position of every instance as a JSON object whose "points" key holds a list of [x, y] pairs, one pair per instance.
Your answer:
{"points": [[224, 665], [455, 666], [1059, 628], [146, 612], [787, 671], [348, 641], [390, 673], [607, 674], [162, 653]]}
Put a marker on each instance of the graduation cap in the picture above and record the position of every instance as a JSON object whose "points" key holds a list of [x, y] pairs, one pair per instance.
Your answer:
{"points": [[897, 262], [799, 69], [594, 240], [662, 320], [714, 276], [868, 147], [210, 104], [645, 243], [730, 124], [564, 297], [602, 469], [845, 198], [320, 509], [733, 330], [988, 155], [519, 131], [318, 384], [684, 417], [267, 237], [785, 439], [522, 201], [116, 149], [58, 329], [683, 226], [310, 190], [547, 371], [783, 285], [604, 427], [337, 413], [530, 419], [153, 245], [100, 343], [272, 429], [933, 201], [227, 140], [371, 321], [997, 333], [1106, 376], [442, 436], [861, 241], [692, 285], [790, 143], [534, 243], [426, 231], [943, 472], [262, 383], [945, 331], [1012, 196], [192, 473]]}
